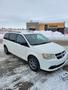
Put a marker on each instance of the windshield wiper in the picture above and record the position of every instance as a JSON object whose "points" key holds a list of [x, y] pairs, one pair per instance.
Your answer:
{"points": [[35, 44], [44, 43]]}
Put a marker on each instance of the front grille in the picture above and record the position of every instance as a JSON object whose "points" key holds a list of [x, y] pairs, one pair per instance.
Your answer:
{"points": [[60, 55]]}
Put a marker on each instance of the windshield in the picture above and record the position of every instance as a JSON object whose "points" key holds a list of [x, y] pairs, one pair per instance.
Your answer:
{"points": [[36, 39]]}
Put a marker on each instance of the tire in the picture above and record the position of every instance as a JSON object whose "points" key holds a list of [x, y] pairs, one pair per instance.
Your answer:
{"points": [[6, 50], [33, 63]]}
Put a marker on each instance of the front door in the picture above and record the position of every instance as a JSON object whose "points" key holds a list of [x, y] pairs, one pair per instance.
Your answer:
{"points": [[22, 47]]}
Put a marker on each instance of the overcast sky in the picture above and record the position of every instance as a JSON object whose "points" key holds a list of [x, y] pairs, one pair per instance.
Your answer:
{"points": [[14, 13]]}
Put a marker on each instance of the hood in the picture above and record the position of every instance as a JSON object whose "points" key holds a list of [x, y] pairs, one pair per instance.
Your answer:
{"points": [[51, 48]]}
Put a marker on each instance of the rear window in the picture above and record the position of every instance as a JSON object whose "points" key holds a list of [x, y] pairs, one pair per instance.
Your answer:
{"points": [[6, 36], [12, 37]]}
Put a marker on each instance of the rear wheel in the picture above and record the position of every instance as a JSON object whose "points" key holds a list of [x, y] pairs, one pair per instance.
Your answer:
{"points": [[6, 50], [33, 63]]}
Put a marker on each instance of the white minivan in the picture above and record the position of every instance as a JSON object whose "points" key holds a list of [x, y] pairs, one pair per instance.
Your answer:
{"points": [[36, 49]]}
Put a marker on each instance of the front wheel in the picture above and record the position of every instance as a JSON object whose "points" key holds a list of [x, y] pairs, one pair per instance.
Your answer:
{"points": [[33, 63]]}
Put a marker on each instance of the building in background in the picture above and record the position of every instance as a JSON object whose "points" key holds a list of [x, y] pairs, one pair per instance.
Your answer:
{"points": [[53, 26]]}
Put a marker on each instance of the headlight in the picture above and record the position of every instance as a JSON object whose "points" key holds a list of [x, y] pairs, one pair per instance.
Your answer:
{"points": [[48, 56]]}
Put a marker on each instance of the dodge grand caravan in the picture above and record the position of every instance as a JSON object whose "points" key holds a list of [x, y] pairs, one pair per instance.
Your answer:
{"points": [[36, 49]]}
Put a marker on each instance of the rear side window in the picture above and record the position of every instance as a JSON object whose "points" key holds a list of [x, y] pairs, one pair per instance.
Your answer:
{"points": [[6, 36], [12, 37]]}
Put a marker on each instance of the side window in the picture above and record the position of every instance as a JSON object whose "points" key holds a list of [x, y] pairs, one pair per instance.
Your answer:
{"points": [[6, 36], [12, 37], [21, 40]]}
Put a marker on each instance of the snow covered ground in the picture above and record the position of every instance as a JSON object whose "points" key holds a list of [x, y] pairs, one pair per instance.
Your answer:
{"points": [[16, 75]]}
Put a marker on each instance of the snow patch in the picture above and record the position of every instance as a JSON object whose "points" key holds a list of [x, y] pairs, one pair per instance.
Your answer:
{"points": [[53, 35], [54, 82], [1, 36]]}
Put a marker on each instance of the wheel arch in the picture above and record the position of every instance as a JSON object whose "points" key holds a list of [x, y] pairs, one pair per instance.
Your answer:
{"points": [[38, 63], [31, 55]]}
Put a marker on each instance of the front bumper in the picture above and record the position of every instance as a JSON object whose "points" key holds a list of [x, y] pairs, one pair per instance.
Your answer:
{"points": [[54, 64]]}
